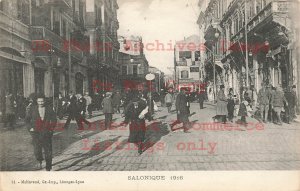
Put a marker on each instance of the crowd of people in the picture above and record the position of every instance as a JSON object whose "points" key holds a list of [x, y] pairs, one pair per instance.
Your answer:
{"points": [[271, 104], [41, 114]]}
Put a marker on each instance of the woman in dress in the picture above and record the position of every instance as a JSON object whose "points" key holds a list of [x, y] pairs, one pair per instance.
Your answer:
{"points": [[135, 115], [221, 109]]}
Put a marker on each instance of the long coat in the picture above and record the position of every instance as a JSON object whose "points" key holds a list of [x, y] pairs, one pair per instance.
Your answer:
{"points": [[107, 105], [221, 108], [182, 106], [137, 126]]}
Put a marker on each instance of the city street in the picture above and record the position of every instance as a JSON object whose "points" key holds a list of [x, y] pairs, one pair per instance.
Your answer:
{"points": [[206, 147]]}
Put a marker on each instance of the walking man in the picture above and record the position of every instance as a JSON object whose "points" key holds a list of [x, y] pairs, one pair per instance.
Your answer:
{"points": [[169, 101], [108, 109], [41, 122], [74, 113], [88, 104], [201, 98], [117, 102], [278, 101], [182, 108]]}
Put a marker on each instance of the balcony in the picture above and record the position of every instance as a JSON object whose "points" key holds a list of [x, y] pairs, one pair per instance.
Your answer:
{"points": [[13, 26], [274, 12], [50, 39], [59, 3]]}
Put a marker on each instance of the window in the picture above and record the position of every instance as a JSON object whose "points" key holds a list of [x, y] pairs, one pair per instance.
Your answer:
{"points": [[194, 69], [185, 54], [135, 70], [124, 70], [197, 56], [184, 74]]}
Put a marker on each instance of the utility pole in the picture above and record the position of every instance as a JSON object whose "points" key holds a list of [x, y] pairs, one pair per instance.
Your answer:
{"points": [[246, 40]]}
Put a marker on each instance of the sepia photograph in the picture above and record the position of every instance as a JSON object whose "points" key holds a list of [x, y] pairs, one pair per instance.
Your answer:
{"points": [[148, 86]]}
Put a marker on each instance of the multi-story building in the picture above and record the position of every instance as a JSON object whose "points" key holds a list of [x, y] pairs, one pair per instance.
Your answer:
{"points": [[159, 82], [187, 63], [52, 46], [253, 39], [102, 25], [132, 63]]}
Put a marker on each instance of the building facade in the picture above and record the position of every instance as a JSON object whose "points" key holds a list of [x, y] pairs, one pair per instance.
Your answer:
{"points": [[187, 63], [255, 42], [132, 63], [52, 46]]}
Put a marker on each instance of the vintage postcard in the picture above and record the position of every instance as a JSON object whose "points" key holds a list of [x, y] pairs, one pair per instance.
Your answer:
{"points": [[149, 95]]}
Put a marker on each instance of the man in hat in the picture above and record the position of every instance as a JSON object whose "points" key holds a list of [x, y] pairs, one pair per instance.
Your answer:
{"points": [[108, 109], [263, 99], [278, 101], [182, 108], [221, 108]]}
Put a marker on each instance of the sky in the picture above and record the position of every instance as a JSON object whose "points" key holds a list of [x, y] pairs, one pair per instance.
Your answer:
{"points": [[163, 21]]}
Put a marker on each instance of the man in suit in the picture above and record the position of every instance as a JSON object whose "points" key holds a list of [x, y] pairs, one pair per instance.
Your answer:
{"points": [[41, 121], [108, 109], [182, 108]]}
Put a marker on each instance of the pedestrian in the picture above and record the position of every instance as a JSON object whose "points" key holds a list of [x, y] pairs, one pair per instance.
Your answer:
{"points": [[295, 106], [263, 99], [243, 113], [221, 108], [162, 97], [20, 106], [169, 101], [278, 101], [41, 121], [182, 111], [201, 98], [81, 101], [231, 104], [117, 101], [10, 111], [108, 109], [135, 115], [96, 101], [73, 112], [60, 105], [88, 104]]}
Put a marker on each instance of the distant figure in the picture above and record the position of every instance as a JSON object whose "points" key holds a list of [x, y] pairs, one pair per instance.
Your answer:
{"points": [[221, 108], [169, 101], [278, 101], [108, 109], [230, 104], [182, 108], [88, 104], [201, 98], [10, 111], [263, 99], [117, 101]]}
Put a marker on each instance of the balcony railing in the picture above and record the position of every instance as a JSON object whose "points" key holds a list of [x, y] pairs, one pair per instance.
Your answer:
{"points": [[42, 33], [271, 8], [60, 3], [13, 26]]}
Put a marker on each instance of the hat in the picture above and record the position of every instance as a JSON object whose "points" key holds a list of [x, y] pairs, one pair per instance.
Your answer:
{"points": [[222, 86], [108, 94]]}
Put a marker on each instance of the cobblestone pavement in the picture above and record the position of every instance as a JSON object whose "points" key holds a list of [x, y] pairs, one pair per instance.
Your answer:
{"points": [[206, 147]]}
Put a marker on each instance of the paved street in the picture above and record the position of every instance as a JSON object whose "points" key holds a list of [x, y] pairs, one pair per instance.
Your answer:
{"points": [[207, 147]]}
